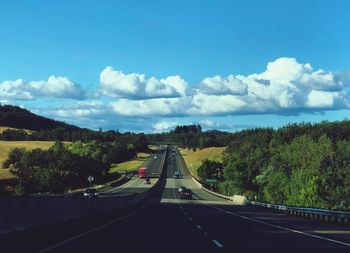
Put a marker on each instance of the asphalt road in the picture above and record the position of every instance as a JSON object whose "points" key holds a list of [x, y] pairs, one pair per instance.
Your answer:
{"points": [[167, 224], [136, 184]]}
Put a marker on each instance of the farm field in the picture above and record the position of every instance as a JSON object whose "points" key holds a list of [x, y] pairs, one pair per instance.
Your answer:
{"points": [[130, 165], [194, 159], [6, 146]]}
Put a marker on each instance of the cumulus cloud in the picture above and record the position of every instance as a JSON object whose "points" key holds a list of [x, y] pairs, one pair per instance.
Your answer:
{"points": [[218, 85], [163, 126], [152, 107], [116, 84], [285, 85], [58, 87]]}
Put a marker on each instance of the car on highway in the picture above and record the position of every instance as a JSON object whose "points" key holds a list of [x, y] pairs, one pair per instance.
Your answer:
{"points": [[90, 192], [176, 175], [186, 194], [147, 181], [181, 189]]}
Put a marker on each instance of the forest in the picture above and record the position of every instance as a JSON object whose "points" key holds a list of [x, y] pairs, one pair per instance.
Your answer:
{"points": [[299, 165]]}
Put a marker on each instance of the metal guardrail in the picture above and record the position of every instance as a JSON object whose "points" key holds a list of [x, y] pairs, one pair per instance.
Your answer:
{"points": [[312, 213], [316, 213]]}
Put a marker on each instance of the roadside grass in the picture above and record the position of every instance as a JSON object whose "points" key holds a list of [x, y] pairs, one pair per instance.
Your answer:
{"points": [[194, 159], [6, 146]]}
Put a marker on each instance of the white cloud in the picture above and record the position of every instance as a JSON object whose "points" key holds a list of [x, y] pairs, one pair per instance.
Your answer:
{"points": [[58, 87], [286, 86], [116, 84], [214, 104], [152, 107], [163, 126], [15, 90], [223, 86]]}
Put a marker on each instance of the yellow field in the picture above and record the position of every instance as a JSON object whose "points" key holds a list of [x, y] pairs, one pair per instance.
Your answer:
{"points": [[131, 164], [6, 146], [194, 159]]}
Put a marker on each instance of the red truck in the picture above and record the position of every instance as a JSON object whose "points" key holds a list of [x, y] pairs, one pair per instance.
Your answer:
{"points": [[142, 172]]}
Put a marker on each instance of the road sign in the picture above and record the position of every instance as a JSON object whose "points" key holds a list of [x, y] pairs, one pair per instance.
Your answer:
{"points": [[211, 180], [90, 178]]}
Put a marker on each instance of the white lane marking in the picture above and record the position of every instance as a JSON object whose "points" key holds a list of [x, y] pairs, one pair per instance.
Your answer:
{"points": [[185, 214], [199, 227], [190, 218], [205, 233], [218, 244], [280, 227], [94, 229]]}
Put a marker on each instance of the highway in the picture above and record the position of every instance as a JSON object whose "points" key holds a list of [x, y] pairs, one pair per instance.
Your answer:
{"points": [[167, 224], [135, 184]]}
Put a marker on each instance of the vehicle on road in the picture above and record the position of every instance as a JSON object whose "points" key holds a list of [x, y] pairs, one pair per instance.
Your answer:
{"points": [[181, 189], [147, 180], [186, 194], [176, 175], [142, 172], [90, 192]]}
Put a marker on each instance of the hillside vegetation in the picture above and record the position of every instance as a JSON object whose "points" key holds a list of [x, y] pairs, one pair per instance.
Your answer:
{"points": [[6, 146], [4, 128], [16, 117], [194, 159], [300, 165]]}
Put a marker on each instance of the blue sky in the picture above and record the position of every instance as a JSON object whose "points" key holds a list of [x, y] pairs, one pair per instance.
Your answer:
{"points": [[149, 65]]}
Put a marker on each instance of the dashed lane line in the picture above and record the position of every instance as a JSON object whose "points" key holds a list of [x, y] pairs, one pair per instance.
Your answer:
{"points": [[277, 226], [218, 244]]}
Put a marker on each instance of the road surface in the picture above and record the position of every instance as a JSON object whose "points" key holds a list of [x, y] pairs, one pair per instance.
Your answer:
{"points": [[204, 224]]}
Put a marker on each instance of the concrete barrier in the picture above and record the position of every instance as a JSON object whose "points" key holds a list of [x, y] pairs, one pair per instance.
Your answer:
{"points": [[236, 199], [20, 213]]}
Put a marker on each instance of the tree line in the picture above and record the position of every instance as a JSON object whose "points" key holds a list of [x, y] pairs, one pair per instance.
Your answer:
{"points": [[299, 165], [191, 136], [65, 166]]}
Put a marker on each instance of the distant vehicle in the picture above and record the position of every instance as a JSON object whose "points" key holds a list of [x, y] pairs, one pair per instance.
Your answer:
{"points": [[176, 175], [147, 180], [181, 189], [186, 194], [142, 172], [91, 193]]}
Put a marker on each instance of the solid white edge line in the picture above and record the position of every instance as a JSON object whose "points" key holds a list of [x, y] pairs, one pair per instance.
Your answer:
{"points": [[218, 244], [199, 227], [280, 227]]}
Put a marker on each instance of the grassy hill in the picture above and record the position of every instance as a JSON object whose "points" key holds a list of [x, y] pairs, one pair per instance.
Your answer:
{"points": [[6, 146], [16, 117], [194, 159]]}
